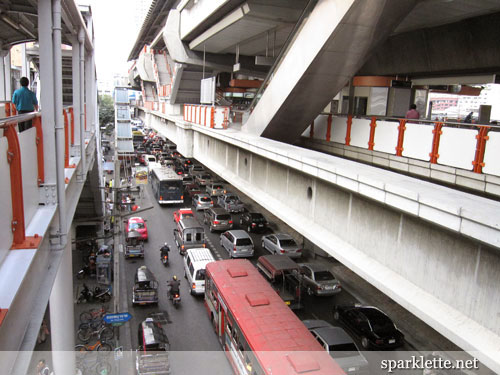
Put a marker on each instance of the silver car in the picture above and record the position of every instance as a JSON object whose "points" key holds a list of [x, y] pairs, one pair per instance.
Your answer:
{"points": [[196, 169], [203, 179], [281, 244], [237, 243], [318, 280], [202, 202], [339, 345], [215, 190]]}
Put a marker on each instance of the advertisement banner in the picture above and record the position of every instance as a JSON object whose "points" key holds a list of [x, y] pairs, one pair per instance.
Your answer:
{"points": [[141, 175]]}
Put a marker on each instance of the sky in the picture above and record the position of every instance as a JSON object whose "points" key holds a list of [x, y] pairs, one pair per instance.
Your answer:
{"points": [[115, 34]]}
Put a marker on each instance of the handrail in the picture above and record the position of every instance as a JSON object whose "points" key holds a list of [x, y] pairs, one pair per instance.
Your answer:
{"points": [[286, 47]]}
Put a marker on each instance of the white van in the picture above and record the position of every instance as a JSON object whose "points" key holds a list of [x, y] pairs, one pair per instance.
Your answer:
{"points": [[195, 262]]}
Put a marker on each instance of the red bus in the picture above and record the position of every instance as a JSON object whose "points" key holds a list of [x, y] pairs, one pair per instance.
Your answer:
{"points": [[257, 330]]}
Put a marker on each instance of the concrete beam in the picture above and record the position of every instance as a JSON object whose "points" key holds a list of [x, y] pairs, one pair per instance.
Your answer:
{"points": [[465, 47], [431, 249]]}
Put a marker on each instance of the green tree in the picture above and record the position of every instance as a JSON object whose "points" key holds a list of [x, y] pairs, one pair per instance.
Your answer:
{"points": [[106, 110]]}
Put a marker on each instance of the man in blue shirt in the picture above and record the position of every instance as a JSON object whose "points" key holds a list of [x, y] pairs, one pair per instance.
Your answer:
{"points": [[25, 101]]}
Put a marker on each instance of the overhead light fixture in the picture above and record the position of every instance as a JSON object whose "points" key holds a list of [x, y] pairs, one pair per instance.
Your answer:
{"points": [[10, 22]]}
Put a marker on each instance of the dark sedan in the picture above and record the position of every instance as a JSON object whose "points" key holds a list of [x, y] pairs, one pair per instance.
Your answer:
{"points": [[375, 329], [253, 222]]}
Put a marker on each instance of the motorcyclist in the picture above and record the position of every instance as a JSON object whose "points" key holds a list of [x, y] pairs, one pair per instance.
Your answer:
{"points": [[164, 250], [174, 285]]}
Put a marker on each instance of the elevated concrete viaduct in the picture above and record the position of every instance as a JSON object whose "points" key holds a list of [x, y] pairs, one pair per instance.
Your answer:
{"points": [[432, 249]]}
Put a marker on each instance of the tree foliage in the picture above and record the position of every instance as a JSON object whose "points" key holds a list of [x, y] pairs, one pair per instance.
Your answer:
{"points": [[106, 110]]}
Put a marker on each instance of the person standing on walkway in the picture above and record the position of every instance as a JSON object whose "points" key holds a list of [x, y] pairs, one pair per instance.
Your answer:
{"points": [[25, 101], [413, 113]]}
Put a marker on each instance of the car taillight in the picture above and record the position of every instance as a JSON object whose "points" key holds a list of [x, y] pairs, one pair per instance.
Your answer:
{"points": [[379, 342], [182, 247], [253, 224], [204, 245], [224, 192], [193, 286], [320, 287], [216, 222], [282, 251], [230, 221], [179, 172], [234, 249], [299, 250], [199, 203], [161, 197], [182, 196], [211, 202]]}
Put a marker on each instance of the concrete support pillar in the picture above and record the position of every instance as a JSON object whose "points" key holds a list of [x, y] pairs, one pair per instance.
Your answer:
{"points": [[47, 87], [25, 66], [61, 315], [75, 65], [3, 92]]}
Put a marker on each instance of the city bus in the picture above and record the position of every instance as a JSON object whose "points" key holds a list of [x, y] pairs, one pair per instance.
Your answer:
{"points": [[257, 330], [167, 186]]}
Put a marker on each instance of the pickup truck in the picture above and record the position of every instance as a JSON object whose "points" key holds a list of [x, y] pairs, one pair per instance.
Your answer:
{"points": [[284, 276], [230, 202]]}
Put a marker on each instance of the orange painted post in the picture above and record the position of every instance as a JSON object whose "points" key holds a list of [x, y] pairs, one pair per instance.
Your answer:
{"points": [[481, 137], [348, 131], [371, 140], [435, 142], [16, 190], [3, 314], [205, 115], [311, 130], [72, 120], [329, 128], [66, 136], [401, 137], [37, 123], [212, 117], [7, 109]]}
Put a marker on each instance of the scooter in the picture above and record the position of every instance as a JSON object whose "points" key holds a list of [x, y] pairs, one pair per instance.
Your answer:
{"points": [[164, 259], [174, 297], [86, 295], [102, 295]]}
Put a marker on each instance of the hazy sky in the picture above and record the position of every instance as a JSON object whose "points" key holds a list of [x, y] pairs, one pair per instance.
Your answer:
{"points": [[115, 34]]}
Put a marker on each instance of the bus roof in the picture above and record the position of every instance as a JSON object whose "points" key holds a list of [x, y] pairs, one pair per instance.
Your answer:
{"points": [[165, 173], [279, 340]]}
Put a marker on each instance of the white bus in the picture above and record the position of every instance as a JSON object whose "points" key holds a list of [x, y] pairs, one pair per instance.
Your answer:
{"points": [[167, 186]]}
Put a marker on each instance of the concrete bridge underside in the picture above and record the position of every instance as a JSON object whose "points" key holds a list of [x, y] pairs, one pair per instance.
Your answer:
{"points": [[402, 235]]}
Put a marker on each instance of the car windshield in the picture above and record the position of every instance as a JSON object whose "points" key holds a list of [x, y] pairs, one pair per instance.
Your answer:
{"points": [[223, 217], [288, 243], [205, 199], [134, 226], [205, 176], [323, 276], [243, 242], [185, 216], [343, 350]]}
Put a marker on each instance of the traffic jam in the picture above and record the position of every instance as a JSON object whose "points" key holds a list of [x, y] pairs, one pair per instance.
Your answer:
{"points": [[247, 272]]}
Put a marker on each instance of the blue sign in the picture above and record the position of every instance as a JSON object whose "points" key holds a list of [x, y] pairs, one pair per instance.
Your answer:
{"points": [[117, 318]]}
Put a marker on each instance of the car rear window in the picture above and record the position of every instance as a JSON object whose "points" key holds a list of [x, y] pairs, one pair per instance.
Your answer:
{"points": [[217, 187], [205, 176], [243, 242], [223, 217], [257, 217], [288, 243], [323, 276], [185, 216], [343, 350], [205, 199], [200, 275]]}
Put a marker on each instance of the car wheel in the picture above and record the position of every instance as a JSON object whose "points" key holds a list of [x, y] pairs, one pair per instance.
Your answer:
{"points": [[336, 315], [365, 343]]}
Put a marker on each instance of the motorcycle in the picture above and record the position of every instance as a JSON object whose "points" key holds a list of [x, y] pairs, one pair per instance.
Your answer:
{"points": [[174, 297], [164, 259], [86, 295], [102, 295]]}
